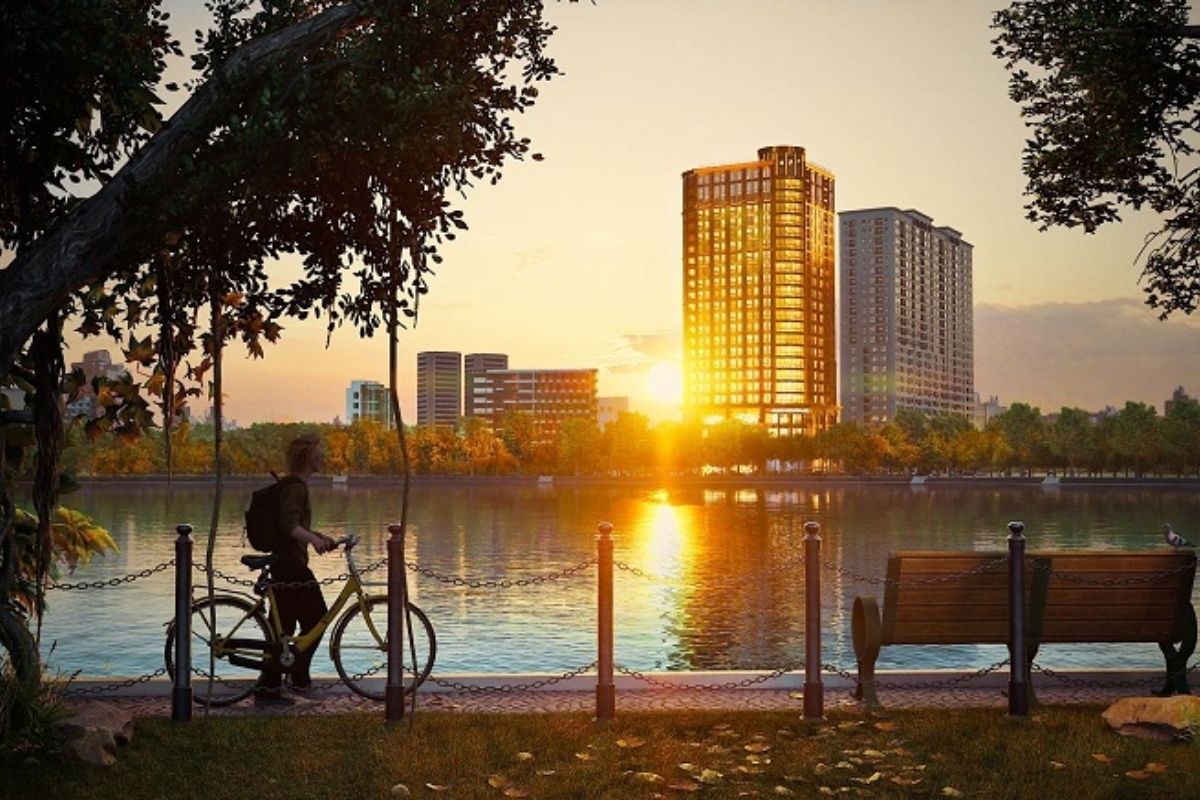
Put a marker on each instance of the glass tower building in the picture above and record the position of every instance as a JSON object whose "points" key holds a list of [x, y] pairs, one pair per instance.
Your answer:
{"points": [[758, 293]]}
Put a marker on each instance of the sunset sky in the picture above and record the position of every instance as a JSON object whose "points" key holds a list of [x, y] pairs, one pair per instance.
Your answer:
{"points": [[575, 261]]}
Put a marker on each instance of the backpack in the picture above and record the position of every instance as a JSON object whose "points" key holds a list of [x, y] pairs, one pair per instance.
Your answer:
{"points": [[262, 517]]}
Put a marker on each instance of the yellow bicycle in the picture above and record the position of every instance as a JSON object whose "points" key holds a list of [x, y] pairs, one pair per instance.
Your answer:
{"points": [[245, 634]]}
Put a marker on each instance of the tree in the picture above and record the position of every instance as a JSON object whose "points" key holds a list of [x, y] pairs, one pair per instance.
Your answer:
{"points": [[1023, 431], [1181, 435], [1136, 438], [1111, 89], [579, 446], [1071, 439]]}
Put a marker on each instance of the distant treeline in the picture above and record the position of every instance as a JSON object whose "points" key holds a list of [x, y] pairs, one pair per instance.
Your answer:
{"points": [[1133, 441]]}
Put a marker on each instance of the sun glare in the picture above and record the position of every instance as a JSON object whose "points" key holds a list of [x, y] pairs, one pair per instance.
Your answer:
{"points": [[664, 382]]}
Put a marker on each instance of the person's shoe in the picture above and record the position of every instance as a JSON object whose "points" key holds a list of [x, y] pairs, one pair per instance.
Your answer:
{"points": [[272, 698]]}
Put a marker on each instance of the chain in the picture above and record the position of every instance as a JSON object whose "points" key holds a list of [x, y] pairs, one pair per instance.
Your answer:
{"points": [[984, 567], [345, 576], [503, 583], [112, 687], [705, 687], [1081, 683], [947, 683], [781, 566], [508, 688], [111, 582], [1132, 580]]}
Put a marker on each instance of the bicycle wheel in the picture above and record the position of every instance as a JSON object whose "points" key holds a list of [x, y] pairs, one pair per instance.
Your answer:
{"points": [[358, 647], [235, 617]]}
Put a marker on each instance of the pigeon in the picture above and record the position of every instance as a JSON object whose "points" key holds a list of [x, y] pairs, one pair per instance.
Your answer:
{"points": [[1173, 538]]}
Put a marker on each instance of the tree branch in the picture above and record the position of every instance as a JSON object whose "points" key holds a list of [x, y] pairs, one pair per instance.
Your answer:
{"points": [[81, 247]]}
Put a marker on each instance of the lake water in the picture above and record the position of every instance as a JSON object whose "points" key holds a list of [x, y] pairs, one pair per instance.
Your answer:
{"points": [[718, 598]]}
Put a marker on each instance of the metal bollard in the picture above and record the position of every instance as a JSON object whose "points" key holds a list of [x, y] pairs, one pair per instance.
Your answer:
{"points": [[393, 695], [181, 689], [1018, 666], [606, 690], [814, 690]]}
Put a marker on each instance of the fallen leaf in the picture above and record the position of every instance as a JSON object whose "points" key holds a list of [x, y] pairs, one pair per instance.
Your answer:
{"points": [[757, 747], [545, 772], [437, 787], [648, 777], [1103, 758], [1155, 766], [1057, 765], [821, 768], [523, 756], [902, 780], [873, 754], [514, 791], [497, 781], [783, 791], [684, 786], [843, 765], [885, 726], [751, 758], [950, 791], [826, 790], [584, 756], [1137, 774], [709, 776], [631, 743]]}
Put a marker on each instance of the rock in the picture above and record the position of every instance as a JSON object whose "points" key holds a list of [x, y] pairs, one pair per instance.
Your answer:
{"points": [[1161, 718], [96, 747], [97, 714]]}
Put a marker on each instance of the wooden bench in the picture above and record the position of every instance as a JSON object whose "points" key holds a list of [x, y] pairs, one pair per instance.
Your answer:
{"points": [[1070, 597]]}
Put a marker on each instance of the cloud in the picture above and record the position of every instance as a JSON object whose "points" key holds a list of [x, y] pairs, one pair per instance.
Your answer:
{"points": [[1084, 354], [638, 352]]}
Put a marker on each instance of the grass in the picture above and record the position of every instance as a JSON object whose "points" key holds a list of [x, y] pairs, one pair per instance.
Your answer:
{"points": [[1058, 753]]}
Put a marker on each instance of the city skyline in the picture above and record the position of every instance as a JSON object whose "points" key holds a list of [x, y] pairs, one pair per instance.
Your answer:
{"points": [[575, 259]]}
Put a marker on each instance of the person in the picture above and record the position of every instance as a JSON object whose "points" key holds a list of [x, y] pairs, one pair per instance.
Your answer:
{"points": [[302, 604]]}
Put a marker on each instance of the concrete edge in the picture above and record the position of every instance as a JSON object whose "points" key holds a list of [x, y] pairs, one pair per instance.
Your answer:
{"points": [[914, 680]]}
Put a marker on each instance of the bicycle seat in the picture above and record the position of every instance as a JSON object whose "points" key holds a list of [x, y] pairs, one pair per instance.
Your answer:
{"points": [[258, 562]]}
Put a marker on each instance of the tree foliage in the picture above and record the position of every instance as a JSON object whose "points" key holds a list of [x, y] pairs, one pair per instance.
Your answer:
{"points": [[1111, 90]]}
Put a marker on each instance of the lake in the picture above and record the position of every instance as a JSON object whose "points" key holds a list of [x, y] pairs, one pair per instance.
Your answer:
{"points": [[718, 599]]}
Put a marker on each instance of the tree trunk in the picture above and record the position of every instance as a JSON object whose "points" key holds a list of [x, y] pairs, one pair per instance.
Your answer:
{"points": [[84, 245]]}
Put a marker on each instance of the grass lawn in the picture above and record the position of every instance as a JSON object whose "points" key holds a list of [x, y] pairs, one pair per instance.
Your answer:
{"points": [[1059, 753]]}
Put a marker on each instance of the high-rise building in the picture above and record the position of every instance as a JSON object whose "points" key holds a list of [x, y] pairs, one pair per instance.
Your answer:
{"points": [[369, 400], [907, 325], [758, 304], [439, 388], [549, 396], [609, 408], [477, 391]]}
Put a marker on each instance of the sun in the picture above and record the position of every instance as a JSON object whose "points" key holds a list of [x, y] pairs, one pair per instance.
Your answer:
{"points": [[664, 382]]}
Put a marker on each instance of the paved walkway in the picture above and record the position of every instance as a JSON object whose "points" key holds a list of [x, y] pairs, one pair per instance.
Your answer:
{"points": [[546, 701]]}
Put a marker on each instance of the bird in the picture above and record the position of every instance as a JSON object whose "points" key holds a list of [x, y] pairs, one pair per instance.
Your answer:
{"points": [[1173, 538]]}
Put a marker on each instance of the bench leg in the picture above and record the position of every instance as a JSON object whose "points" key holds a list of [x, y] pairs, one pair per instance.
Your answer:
{"points": [[1176, 680], [866, 627]]}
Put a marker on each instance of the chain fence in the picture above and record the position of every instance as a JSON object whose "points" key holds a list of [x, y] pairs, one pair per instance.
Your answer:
{"points": [[501, 583], [943, 684], [1085, 683], [116, 685], [745, 683], [512, 688], [1132, 580], [108, 583]]}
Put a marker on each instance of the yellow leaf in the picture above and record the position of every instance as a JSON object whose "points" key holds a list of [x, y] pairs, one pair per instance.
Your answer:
{"points": [[757, 747], [821, 768], [783, 791], [689, 767], [584, 756], [902, 780], [1103, 758], [523, 756], [1137, 774], [545, 772], [631, 743], [873, 754], [513, 791], [684, 786], [1155, 766], [497, 781], [648, 777], [885, 726], [950, 791], [1057, 765], [437, 787], [710, 776], [826, 790]]}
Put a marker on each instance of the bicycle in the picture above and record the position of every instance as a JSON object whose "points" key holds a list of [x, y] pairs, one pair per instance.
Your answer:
{"points": [[246, 634]]}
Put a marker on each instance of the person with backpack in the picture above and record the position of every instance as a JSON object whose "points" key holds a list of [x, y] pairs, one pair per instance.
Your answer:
{"points": [[299, 601]]}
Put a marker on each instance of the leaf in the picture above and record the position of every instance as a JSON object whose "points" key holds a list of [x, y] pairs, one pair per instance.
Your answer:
{"points": [[1155, 766], [1057, 765], [821, 768], [648, 777], [757, 747], [1137, 774], [709, 776], [683, 786], [631, 743], [497, 781], [1103, 758], [885, 726], [950, 791], [784, 791], [516, 791], [437, 787], [584, 756], [523, 756], [903, 780], [545, 772]]}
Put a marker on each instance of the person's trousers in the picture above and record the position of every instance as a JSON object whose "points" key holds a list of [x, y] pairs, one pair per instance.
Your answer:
{"points": [[299, 607]]}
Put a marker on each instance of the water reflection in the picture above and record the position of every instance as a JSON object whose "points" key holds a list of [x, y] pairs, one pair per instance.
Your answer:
{"points": [[726, 593]]}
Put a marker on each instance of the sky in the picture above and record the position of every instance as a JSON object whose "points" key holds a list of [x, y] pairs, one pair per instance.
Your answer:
{"points": [[575, 261]]}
